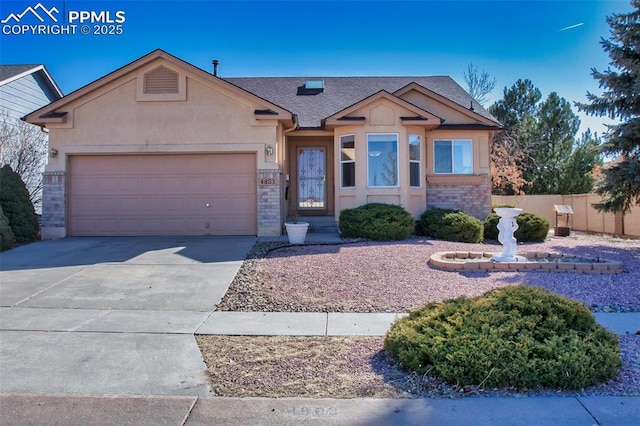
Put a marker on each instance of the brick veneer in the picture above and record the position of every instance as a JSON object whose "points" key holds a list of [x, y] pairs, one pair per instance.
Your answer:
{"points": [[471, 199], [269, 206], [54, 195]]}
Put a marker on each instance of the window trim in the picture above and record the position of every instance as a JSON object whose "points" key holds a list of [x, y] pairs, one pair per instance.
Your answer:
{"points": [[397, 140], [347, 162], [452, 141], [418, 161]]}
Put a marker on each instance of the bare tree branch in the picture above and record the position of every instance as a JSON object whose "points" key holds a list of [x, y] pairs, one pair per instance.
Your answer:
{"points": [[479, 84], [24, 147]]}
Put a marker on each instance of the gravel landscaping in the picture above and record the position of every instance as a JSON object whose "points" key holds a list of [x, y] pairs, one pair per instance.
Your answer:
{"points": [[395, 276], [391, 277]]}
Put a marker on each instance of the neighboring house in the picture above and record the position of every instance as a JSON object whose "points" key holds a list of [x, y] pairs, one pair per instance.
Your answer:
{"points": [[161, 147], [24, 88]]}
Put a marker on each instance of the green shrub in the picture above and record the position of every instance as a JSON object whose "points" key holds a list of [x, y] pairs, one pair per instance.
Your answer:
{"points": [[531, 227], [15, 202], [450, 225], [7, 239], [518, 336], [376, 221]]}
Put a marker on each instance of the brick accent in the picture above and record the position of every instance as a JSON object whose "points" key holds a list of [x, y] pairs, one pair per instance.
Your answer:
{"points": [[471, 199], [269, 203], [54, 196]]}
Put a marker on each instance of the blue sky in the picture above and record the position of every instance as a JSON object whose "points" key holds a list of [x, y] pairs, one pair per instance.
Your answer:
{"points": [[510, 40]]}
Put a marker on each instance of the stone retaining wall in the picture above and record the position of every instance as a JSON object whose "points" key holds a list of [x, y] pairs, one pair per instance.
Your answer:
{"points": [[535, 261]]}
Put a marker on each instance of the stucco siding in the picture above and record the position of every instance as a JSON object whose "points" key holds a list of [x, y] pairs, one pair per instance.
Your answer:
{"points": [[449, 115], [206, 116]]}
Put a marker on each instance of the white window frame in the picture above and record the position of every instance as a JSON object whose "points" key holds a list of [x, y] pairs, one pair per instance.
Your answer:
{"points": [[412, 161], [453, 158], [397, 140], [347, 162]]}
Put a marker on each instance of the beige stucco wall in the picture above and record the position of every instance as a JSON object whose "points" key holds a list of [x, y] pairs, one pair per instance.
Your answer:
{"points": [[584, 218], [113, 120], [542, 205], [449, 115]]}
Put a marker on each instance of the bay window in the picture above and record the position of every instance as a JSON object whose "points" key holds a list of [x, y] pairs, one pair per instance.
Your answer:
{"points": [[347, 161], [414, 162], [382, 160]]}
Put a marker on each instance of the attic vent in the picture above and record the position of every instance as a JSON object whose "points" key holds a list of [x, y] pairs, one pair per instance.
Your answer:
{"points": [[161, 80], [314, 85]]}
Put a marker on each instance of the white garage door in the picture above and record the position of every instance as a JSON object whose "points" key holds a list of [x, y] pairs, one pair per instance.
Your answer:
{"points": [[203, 194]]}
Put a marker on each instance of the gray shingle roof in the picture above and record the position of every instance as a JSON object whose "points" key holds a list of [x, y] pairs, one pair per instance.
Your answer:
{"points": [[8, 71], [342, 92]]}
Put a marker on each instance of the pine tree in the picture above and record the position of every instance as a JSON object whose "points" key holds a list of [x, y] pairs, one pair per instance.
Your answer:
{"points": [[551, 147], [620, 185], [509, 151]]}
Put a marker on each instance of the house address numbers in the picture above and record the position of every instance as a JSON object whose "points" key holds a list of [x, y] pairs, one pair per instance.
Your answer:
{"points": [[268, 182]]}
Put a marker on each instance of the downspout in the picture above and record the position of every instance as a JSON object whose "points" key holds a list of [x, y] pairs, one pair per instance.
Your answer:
{"points": [[287, 192]]}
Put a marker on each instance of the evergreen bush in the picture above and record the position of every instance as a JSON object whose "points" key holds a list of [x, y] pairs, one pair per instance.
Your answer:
{"points": [[7, 239], [518, 336], [450, 225], [16, 205], [531, 227], [376, 221]]}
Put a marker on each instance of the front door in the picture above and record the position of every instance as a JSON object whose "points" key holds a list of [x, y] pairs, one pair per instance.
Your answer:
{"points": [[312, 179]]}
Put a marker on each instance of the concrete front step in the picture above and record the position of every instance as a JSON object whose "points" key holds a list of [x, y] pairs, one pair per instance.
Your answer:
{"points": [[320, 224]]}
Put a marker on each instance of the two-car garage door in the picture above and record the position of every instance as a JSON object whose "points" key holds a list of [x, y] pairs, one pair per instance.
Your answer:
{"points": [[203, 194]]}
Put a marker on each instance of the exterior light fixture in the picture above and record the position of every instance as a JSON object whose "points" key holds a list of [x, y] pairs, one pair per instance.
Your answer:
{"points": [[54, 153], [269, 150]]}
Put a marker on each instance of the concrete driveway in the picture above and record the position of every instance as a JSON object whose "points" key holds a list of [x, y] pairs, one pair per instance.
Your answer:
{"points": [[111, 315]]}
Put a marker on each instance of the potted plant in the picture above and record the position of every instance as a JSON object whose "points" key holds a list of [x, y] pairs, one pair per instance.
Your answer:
{"points": [[296, 231]]}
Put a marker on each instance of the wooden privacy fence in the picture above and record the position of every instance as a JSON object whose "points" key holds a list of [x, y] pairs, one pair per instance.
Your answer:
{"points": [[584, 217]]}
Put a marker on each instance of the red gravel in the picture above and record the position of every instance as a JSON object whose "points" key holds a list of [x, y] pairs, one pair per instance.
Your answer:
{"points": [[395, 276]]}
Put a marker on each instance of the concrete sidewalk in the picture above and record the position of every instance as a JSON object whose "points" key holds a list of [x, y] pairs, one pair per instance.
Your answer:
{"points": [[69, 410], [86, 337], [230, 323]]}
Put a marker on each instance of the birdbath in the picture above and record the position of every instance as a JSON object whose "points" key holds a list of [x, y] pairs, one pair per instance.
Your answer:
{"points": [[507, 225]]}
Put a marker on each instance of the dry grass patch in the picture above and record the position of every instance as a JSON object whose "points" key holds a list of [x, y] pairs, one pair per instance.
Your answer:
{"points": [[314, 367]]}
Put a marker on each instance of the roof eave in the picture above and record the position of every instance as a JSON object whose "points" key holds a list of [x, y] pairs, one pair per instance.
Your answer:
{"points": [[472, 126], [35, 116]]}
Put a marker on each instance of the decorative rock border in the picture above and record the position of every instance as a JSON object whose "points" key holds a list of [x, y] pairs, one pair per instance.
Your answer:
{"points": [[535, 261]]}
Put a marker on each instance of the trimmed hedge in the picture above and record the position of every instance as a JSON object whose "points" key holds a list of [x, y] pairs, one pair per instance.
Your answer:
{"points": [[518, 336], [376, 221], [531, 227], [16, 205], [450, 225]]}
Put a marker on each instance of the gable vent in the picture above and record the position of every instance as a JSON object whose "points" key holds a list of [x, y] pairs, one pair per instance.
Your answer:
{"points": [[161, 80]]}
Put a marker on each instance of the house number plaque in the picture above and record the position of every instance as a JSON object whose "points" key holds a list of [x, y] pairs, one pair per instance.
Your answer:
{"points": [[268, 182]]}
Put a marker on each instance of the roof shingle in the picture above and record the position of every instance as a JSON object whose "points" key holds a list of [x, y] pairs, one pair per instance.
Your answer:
{"points": [[8, 71], [342, 92]]}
